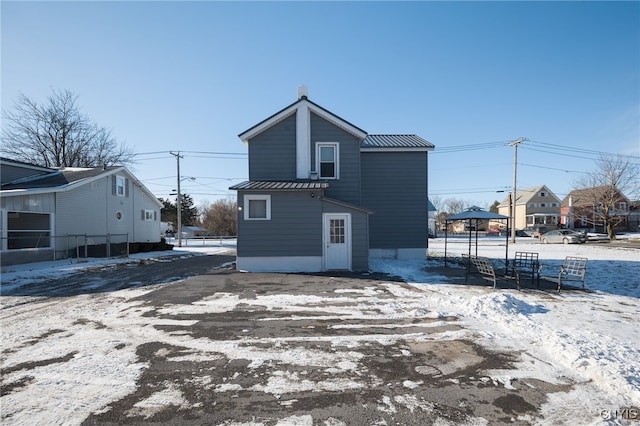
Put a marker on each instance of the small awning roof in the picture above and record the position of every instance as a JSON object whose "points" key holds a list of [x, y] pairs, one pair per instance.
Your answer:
{"points": [[299, 185]]}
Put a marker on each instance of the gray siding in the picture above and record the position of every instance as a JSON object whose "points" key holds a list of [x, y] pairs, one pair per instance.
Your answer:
{"points": [[295, 228], [394, 185], [347, 188], [359, 235], [272, 154]]}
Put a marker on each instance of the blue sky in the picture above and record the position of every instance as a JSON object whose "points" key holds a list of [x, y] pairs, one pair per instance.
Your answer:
{"points": [[467, 76]]}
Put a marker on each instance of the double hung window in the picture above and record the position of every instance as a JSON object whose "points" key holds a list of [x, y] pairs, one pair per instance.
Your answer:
{"points": [[327, 160]]}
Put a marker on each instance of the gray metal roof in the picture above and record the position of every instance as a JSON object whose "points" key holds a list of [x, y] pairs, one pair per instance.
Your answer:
{"points": [[281, 185], [396, 141], [56, 178]]}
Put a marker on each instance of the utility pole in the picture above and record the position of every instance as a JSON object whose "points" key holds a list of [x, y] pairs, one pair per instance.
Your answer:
{"points": [[179, 199], [514, 144]]}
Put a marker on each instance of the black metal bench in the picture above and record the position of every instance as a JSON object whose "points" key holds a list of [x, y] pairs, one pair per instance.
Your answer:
{"points": [[483, 266], [572, 269], [524, 263]]}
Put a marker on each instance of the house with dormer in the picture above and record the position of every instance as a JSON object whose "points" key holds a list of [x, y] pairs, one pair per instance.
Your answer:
{"points": [[323, 194], [534, 206]]}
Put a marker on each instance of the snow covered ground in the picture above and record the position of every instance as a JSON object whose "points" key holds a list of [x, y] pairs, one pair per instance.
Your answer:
{"points": [[589, 340]]}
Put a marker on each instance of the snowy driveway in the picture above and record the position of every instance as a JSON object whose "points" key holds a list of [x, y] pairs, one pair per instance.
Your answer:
{"points": [[231, 348]]}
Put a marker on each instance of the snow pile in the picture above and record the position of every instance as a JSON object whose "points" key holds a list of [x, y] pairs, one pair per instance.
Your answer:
{"points": [[589, 338]]}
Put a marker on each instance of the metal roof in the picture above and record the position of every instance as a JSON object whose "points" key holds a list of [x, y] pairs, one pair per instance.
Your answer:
{"points": [[396, 141], [280, 185], [475, 212]]}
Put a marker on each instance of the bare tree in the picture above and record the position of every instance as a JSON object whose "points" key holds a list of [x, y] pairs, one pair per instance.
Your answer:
{"points": [[601, 192], [58, 134], [220, 218], [446, 208]]}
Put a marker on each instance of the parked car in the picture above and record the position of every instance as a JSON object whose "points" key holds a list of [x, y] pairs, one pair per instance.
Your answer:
{"points": [[493, 231], [535, 231], [564, 236]]}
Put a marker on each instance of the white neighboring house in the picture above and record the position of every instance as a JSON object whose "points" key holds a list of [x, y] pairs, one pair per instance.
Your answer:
{"points": [[43, 210]]}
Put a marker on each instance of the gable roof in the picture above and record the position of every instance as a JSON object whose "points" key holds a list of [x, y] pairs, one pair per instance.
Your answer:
{"points": [[292, 109], [585, 195], [524, 195], [396, 143]]}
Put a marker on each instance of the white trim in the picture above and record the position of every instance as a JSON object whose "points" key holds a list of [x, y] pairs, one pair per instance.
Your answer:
{"points": [[148, 215], [252, 197], [279, 264], [303, 142], [335, 145], [5, 234], [349, 128], [121, 180]]}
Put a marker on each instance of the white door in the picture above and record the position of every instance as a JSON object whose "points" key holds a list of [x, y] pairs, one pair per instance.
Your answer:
{"points": [[337, 241]]}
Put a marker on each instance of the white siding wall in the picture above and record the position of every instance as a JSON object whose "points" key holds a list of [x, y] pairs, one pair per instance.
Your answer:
{"points": [[82, 210], [145, 231]]}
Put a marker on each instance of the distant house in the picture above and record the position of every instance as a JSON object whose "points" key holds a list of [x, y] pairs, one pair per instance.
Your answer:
{"points": [[46, 211], [534, 206], [582, 210], [193, 231], [325, 195]]}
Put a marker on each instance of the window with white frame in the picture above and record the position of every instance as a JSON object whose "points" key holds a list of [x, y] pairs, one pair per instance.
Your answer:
{"points": [[327, 160], [148, 215], [623, 206], [257, 207], [120, 186]]}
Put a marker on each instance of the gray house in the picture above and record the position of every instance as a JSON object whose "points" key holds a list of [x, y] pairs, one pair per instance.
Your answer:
{"points": [[46, 213], [324, 195]]}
